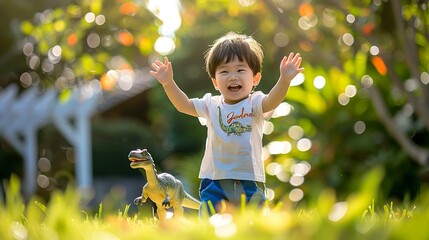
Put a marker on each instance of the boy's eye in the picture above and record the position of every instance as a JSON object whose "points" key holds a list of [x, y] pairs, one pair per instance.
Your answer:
{"points": [[223, 72], [241, 70]]}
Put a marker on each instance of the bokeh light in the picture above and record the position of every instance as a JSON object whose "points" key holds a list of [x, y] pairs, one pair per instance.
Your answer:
{"points": [[270, 194], [126, 79], [44, 164], [282, 110], [168, 11], [307, 22], [408, 110], [296, 180], [303, 144], [18, 231], [296, 195], [93, 40], [129, 8], [54, 54], [47, 66], [328, 18], [411, 85], [359, 127], [296, 132], [350, 18], [28, 49], [72, 40], [348, 39], [223, 224], [301, 168], [350, 91], [297, 80], [164, 45], [283, 176], [366, 81], [246, 3], [319, 82], [424, 78], [338, 211], [374, 50], [125, 38], [279, 147], [268, 128], [25, 79], [273, 168], [281, 39], [91, 88], [100, 19], [43, 181], [343, 99], [379, 65], [90, 17], [33, 62]]}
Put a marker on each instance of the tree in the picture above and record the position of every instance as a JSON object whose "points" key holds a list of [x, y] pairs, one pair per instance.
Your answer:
{"points": [[359, 105]]}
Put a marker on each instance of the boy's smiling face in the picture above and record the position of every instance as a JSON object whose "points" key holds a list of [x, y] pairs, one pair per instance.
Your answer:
{"points": [[235, 80]]}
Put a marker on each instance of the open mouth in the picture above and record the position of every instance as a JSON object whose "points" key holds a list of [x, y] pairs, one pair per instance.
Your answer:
{"points": [[234, 88], [137, 160]]}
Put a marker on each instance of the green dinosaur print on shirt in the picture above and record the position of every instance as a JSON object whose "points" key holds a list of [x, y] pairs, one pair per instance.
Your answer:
{"points": [[235, 128]]}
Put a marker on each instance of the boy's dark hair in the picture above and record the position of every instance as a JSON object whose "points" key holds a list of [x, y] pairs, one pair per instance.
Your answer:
{"points": [[232, 45]]}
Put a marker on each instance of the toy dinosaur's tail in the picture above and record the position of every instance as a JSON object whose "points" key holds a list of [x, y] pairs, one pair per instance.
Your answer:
{"points": [[191, 202]]}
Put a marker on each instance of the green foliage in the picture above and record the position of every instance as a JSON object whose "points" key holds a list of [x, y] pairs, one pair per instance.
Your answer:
{"points": [[355, 218], [89, 34]]}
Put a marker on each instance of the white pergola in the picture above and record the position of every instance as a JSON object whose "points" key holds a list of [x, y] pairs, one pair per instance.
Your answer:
{"points": [[21, 116]]}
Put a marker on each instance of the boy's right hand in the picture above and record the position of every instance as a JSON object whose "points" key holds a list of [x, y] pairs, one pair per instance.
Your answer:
{"points": [[163, 71]]}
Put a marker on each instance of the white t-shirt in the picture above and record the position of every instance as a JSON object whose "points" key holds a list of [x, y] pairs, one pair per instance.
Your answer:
{"points": [[234, 138]]}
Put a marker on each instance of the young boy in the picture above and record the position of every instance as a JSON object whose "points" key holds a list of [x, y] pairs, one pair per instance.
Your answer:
{"points": [[232, 164]]}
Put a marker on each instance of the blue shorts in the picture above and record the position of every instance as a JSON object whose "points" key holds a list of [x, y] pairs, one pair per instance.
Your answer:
{"points": [[230, 190]]}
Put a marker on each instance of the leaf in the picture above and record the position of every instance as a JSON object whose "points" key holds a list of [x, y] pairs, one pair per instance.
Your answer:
{"points": [[360, 64], [325, 201], [65, 95], [95, 6], [349, 66], [40, 205], [338, 80], [421, 39], [74, 11], [311, 100], [27, 27]]}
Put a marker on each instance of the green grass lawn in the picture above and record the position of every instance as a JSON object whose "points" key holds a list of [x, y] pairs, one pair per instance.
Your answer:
{"points": [[355, 218]]}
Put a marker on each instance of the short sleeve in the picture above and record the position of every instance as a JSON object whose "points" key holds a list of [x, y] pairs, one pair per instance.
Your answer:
{"points": [[200, 105]]}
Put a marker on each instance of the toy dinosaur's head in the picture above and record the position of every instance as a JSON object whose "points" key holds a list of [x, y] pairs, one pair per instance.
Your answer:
{"points": [[140, 159]]}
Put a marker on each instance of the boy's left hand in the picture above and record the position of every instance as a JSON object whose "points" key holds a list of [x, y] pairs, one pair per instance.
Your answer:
{"points": [[290, 66]]}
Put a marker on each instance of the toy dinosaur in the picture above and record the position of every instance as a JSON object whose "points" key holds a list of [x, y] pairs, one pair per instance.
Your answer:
{"points": [[163, 189]]}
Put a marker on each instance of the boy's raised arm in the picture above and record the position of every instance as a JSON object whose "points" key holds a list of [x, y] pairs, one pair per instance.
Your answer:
{"points": [[289, 68], [163, 72]]}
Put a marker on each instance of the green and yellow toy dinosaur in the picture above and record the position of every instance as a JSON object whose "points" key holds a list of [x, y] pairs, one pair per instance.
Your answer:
{"points": [[163, 189]]}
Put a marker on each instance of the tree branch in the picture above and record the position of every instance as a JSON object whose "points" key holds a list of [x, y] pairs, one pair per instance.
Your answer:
{"points": [[420, 108], [411, 58], [418, 154]]}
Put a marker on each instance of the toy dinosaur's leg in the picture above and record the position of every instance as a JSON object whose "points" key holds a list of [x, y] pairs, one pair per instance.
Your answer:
{"points": [[162, 213], [178, 209]]}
